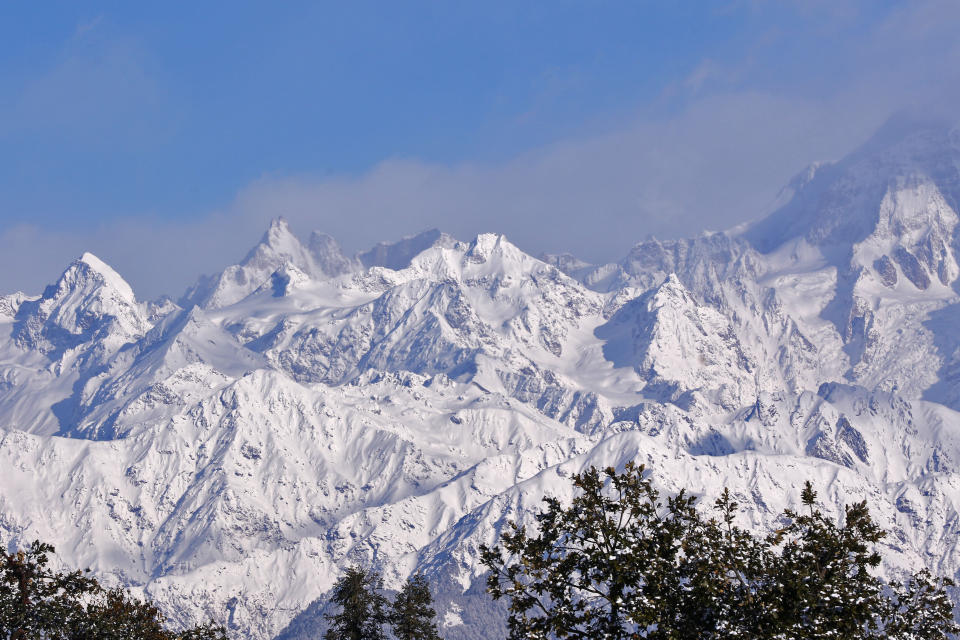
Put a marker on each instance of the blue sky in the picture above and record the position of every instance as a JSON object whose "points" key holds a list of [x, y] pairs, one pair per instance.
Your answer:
{"points": [[164, 136]]}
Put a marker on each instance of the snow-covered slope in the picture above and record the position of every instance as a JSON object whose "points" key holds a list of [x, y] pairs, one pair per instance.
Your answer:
{"points": [[303, 410]]}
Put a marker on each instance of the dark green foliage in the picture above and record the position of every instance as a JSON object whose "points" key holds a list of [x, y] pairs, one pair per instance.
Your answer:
{"points": [[114, 615], [918, 609], [825, 588], [207, 631], [727, 577], [482, 617], [37, 603], [824, 582], [604, 567], [619, 563], [363, 608], [412, 613]]}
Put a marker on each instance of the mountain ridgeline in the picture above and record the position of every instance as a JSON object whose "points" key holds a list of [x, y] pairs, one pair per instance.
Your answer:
{"points": [[231, 454]]}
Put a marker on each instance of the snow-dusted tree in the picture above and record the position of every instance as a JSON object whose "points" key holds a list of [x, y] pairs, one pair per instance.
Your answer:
{"points": [[824, 585], [618, 563], [363, 608], [727, 574], [35, 600], [920, 609], [38, 603], [603, 567], [412, 613]]}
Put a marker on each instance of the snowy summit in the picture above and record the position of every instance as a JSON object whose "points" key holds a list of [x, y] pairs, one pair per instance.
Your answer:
{"points": [[303, 410]]}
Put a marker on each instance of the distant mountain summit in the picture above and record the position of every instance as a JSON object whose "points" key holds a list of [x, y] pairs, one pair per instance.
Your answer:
{"points": [[898, 193], [886, 218], [90, 305], [303, 410], [279, 248]]}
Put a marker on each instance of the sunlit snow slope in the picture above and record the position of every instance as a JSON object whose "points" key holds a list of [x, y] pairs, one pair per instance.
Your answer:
{"points": [[304, 410]]}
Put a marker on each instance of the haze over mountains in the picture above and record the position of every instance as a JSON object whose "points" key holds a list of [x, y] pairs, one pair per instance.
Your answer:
{"points": [[302, 410]]}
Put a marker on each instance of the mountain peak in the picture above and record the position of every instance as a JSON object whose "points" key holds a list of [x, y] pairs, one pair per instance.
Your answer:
{"points": [[92, 260], [489, 241], [89, 302], [839, 204], [489, 244], [671, 292], [279, 235], [567, 263], [277, 246], [279, 224], [398, 255], [278, 240], [104, 272]]}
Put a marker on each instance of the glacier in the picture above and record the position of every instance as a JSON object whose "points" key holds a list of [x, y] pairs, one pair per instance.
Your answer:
{"points": [[229, 453]]}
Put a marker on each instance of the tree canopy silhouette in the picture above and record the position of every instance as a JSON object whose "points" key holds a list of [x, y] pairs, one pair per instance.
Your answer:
{"points": [[363, 608], [412, 613], [38, 603], [619, 562]]}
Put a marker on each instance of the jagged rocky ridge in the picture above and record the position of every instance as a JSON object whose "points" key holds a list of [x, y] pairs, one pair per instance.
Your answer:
{"points": [[230, 453]]}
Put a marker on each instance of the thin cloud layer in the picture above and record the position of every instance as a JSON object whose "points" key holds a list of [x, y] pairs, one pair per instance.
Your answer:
{"points": [[716, 160]]}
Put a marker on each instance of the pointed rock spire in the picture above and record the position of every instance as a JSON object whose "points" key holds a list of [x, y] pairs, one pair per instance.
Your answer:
{"points": [[278, 247], [90, 302]]}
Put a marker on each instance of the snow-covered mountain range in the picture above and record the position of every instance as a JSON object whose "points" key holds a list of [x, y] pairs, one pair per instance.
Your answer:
{"points": [[231, 453]]}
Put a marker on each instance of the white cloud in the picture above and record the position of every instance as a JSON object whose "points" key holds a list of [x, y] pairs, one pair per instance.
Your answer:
{"points": [[716, 162]]}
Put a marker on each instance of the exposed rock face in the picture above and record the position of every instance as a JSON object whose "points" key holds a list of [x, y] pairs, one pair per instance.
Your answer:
{"points": [[886, 270], [304, 410]]}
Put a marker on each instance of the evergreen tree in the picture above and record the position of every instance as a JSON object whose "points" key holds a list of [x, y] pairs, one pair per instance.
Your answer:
{"points": [[412, 614], [363, 608], [727, 574], [35, 601], [920, 609], [38, 603], [604, 567], [116, 616], [825, 587], [620, 563]]}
